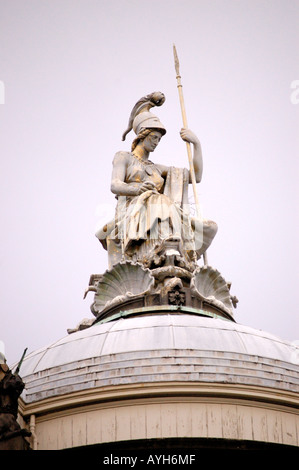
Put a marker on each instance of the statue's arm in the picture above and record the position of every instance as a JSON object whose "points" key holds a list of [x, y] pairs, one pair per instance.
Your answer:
{"points": [[188, 136], [163, 169], [118, 184]]}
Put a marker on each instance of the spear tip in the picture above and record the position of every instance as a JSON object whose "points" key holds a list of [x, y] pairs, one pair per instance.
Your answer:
{"points": [[176, 60]]}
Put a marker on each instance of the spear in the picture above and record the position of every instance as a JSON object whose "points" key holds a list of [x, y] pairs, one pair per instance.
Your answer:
{"points": [[20, 362], [189, 152]]}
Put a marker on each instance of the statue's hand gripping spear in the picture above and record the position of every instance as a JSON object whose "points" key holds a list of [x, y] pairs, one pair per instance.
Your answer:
{"points": [[191, 166]]}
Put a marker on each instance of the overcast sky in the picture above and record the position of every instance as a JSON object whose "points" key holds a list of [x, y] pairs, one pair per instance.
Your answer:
{"points": [[70, 73]]}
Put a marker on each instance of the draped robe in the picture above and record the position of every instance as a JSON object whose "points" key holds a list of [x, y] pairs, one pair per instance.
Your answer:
{"points": [[142, 222]]}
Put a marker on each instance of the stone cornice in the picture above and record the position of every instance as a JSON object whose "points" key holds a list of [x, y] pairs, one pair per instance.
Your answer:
{"points": [[133, 394]]}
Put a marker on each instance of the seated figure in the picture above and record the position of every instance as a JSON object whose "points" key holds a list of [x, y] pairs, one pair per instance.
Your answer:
{"points": [[152, 199]]}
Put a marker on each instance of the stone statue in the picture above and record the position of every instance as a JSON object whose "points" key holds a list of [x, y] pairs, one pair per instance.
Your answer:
{"points": [[152, 205], [11, 434], [154, 242]]}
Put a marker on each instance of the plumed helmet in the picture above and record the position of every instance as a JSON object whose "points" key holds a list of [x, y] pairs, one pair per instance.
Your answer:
{"points": [[141, 118]]}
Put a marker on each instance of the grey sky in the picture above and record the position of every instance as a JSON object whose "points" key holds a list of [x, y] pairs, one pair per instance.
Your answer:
{"points": [[72, 71]]}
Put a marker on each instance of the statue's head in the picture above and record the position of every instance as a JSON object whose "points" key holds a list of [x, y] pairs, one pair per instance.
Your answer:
{"points": [[152, 139], [148, 126]]}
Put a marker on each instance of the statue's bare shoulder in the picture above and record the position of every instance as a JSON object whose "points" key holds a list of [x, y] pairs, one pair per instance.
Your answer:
{"points": [[121, 158]]}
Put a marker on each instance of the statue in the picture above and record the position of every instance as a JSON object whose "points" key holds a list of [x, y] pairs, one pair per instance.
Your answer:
{"points": [[154, 242], [11, 387], [152, 199]]}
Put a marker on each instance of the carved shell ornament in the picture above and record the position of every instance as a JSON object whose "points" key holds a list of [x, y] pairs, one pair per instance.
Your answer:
{"points": [[209, 284], [124, 280]]}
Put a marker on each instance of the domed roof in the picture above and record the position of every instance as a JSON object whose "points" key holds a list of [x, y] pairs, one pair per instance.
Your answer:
{"points": [[157, 348]]}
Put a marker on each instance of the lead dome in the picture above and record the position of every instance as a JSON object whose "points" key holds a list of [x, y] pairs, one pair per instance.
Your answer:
{"points": [[160, 348]]}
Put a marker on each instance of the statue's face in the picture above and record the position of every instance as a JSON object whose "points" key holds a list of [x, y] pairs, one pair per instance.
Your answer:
{"points": [[151, 141]]}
